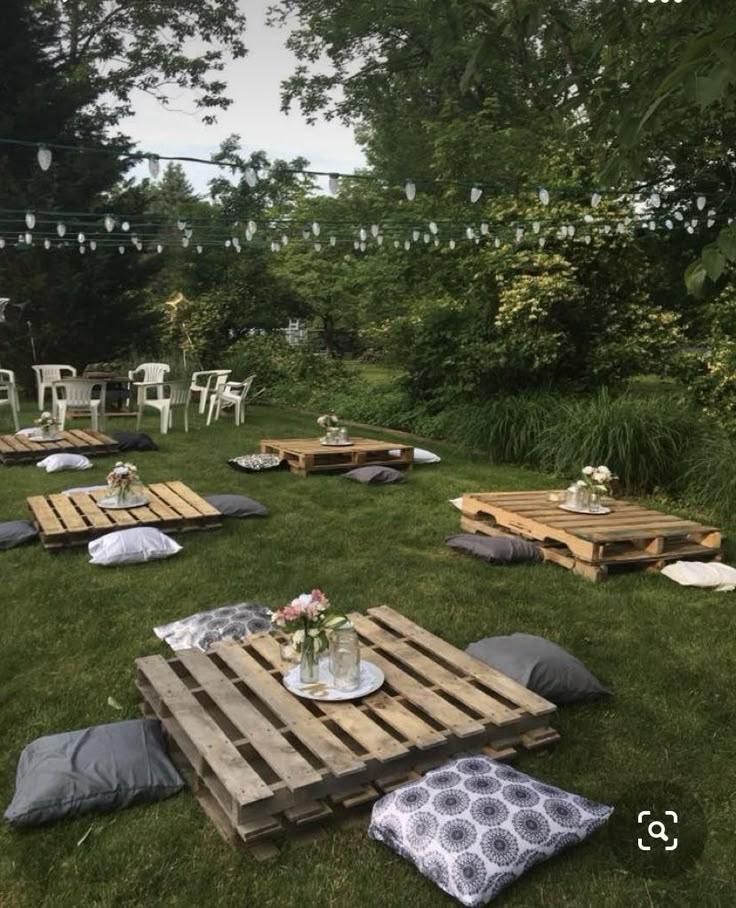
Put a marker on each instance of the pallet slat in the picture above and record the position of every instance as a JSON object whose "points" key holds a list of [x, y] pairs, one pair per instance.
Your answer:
{"points": [[18, 449]]}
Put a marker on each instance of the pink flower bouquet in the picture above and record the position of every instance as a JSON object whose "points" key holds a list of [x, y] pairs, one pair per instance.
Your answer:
{"points": [[308, 619]]}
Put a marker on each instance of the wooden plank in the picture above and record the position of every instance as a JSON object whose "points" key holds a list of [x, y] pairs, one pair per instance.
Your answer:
{"points": [[175, 502], [314, 735], [202, 506], [243, 784], [68, 513], [281, 756], [96, 516], [48, 523], [498, 682], [410, 726]]}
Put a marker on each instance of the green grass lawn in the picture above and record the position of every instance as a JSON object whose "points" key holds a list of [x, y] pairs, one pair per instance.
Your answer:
{"points": [[73, 631]]}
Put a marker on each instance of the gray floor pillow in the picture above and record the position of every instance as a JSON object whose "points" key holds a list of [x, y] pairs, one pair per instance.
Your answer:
{"points": [[16, 532], [134, 441], [474, 826], [541, 665], [498, 549], [375, 474], [237, 505], [90, 771], [227, 624]]}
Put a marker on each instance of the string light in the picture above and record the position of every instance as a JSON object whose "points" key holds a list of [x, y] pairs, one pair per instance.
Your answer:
{"points": [[475, 193], [595, 200], [701, 202], [251, 177], [410, 190], [544, 196], [61, 229], [109, 223], [154, 166], [333, 183], [44, 157]]}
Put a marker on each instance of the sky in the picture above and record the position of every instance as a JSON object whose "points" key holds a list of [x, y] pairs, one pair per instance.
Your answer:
{"points": [[254, 85]]}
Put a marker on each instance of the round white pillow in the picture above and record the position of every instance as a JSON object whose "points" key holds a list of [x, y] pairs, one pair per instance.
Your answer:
{"points": [[132, 546]]}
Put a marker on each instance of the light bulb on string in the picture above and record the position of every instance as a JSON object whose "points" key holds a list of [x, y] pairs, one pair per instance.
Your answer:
{"points": [[248, 235], [375, 230], [30, 220], [689, 229], [415, 234], [379, 239], [410, 190], [571, 230], [595, 200], [315, 228], [436, 241], [188, 233], [44, 157], [542, 242], [139, 245], [475, 193], [82, 250], [80, 237], [426, 237], [433, 228], [543, 196], [199, 250], [652, 225], [621, 227], [655, 200], [588, 218], [701, 202], [536, 227], [679, 216], [318, 247], [356, 245], [228, 244], [452, 244], [61, 229], [305, 233], [484, 228], [284, 239], [93, 245], [497, 243], [407, 245], [159, 248], [333, 240], [587, 239], [362, 246], [2, 243], [519, 233], [333, 183], [251, 177], [362, 234], [125, 226], [109, 223], [47, 244], [694, 222], [252, 226], [28, 239], [121, 250], [668, 224], [469, 233], [154, 166], [711, 222], [396, 244]]}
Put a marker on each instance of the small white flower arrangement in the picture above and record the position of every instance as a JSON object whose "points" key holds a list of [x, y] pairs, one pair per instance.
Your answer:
{"points": [[597, 479], [45, 422], [121, 479], [328, 421]]}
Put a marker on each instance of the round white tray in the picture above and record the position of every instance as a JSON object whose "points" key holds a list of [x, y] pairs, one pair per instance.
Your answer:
{"points": [[601, 510], [45, 438], [371, 678], [135, 501], [334, 444]]}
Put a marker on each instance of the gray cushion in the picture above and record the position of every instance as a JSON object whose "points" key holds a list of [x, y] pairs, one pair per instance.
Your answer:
{"points": [[134, 441], [474, 826], [237, 505], [15, 532], [498, 549], [540, 665], [90, 771], [375, 474]]}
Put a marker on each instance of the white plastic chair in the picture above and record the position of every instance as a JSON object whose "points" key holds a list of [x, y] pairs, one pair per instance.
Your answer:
{"points": [[149, 374], [205, 383], [9, 394], [46, 375], [233, 394], [170, 394], [78, 394]]}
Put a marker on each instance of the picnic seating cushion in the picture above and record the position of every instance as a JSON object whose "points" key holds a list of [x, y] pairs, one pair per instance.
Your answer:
{"points": [[497, 549], [134, 441], [237, 505], [226, 624], [90, 771], [257, 463], [375, 475], [132, 546], [54, 463], [83, 489], [16, 532], [709, 575], [541, 665], [474, 825], [421, 455]]}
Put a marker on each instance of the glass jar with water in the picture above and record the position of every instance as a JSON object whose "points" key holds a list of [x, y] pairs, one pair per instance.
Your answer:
{"points": [[345, 657]]}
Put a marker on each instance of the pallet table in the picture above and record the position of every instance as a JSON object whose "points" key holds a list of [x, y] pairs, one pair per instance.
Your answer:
{"points": [[307, 455], [16, 449], [265, 764], [591, 544], [69, 520]]}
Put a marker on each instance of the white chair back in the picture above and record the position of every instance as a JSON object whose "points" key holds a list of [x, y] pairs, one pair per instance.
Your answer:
{"points": [[50, 373], [150, 372], [177, 393], [78, 392], [9, 394]]}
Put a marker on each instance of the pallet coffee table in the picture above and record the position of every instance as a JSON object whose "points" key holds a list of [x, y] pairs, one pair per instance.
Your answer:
{"points": [[590, 544], [307, 455], [266, 764], [68, 520], [16, 449]]}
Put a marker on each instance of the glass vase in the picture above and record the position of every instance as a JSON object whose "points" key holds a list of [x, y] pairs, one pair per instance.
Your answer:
{"points": [[309, 663], [345, 658], [594, 501]]}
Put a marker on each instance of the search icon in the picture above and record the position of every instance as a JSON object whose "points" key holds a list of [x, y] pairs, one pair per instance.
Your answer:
{"points": [[661, 832]]}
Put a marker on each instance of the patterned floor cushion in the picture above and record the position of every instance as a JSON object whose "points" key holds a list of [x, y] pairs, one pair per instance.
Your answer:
{"points": [[257, 463], [227, 624], [474, 825]]}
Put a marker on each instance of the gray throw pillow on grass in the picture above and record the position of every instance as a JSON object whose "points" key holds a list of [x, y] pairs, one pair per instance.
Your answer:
{"points": [[375, 474], [498, 549], [541, 665], [90, 771], [15, 532], [237, 505]]}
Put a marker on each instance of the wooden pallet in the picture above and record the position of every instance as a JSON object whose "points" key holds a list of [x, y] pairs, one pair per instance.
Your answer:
{"points": [[16, 449], [266, 764], [590, 545], [307, 455], [68, 520]]}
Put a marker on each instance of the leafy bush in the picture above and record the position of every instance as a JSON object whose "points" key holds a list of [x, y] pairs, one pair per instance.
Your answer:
{"points": [[710, 479]]}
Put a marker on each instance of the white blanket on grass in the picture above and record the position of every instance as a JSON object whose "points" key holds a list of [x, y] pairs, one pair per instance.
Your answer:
{"points": [[711, 574]]}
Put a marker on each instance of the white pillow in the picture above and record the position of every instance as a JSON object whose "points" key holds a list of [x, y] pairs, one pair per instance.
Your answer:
{"points": [[456, 502], [30, 431], [132, 546], [712, 575], [420, 455], [83, 489], [56, 462]]}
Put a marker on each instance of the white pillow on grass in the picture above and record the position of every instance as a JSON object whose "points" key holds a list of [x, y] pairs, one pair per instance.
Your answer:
{"points": [[421, 455], [56, 462], [132, 546], [83, 489]]}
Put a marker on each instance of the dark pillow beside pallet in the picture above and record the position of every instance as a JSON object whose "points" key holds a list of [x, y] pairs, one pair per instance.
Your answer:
{"points": [[497, 549], [90, 771], [16, 532], [257, 463], [541, 665], [375, 475], [237, 505], [134, 441]]}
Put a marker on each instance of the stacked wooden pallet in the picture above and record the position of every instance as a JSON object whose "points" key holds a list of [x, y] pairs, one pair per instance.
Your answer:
{"points": [[308, 455], [266, 764], [15, 449]]}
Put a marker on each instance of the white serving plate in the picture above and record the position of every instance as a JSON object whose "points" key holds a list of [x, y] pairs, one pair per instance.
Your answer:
{"points": [[135, 501], [371, 678], [44, 438], [601, 510], [334, 444]]}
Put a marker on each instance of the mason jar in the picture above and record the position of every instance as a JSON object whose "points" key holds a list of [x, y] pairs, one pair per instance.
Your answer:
{"points": [[345, 657]]}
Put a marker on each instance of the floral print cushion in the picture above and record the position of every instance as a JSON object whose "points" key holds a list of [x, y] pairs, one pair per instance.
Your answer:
{"points": [[476, 825], [227, 624], [255, 463]]}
